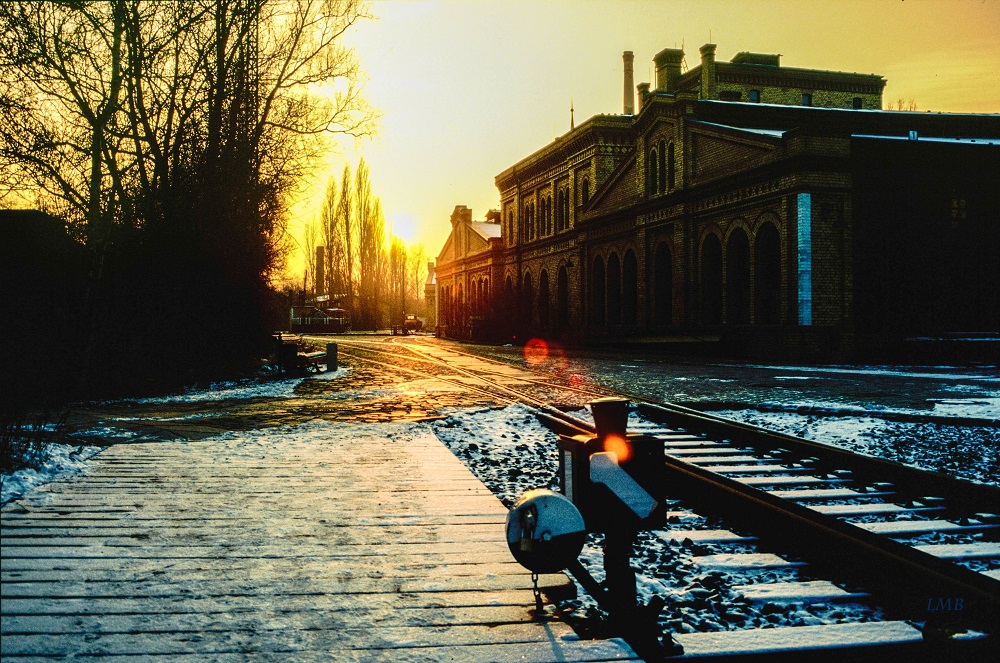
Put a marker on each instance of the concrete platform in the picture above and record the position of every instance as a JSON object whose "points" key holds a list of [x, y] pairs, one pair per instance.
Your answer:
{"points": [[315, 541]]}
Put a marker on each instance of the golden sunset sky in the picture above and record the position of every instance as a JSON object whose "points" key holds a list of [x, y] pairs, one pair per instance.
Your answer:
{"points": [[467, 88]]}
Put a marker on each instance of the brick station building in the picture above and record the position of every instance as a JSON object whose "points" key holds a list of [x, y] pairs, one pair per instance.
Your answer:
{"points": [[776, 209]]}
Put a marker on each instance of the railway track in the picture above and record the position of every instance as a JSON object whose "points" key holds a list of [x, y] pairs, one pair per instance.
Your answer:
{"points": [[921, 544]]}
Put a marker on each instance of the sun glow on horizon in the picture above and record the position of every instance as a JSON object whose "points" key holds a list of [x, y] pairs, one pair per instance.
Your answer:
{"points": [[467, 89], [403, 226]]}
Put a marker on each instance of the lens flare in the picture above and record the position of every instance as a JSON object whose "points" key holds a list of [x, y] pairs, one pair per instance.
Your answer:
{"points": [[619, 446], [536, 351]]}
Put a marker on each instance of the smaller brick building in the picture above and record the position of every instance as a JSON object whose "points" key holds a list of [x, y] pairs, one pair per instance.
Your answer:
{"points": [[469, 263]]}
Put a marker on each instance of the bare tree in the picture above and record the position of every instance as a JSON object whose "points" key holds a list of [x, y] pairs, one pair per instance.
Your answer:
{"points": [[309, 246], [328, 230], [416, 268], [108, 103], [902, 105], [369, 243], [173, 132], [346, 239], [396, 285]]}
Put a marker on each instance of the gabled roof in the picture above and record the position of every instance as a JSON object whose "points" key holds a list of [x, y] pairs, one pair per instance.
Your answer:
{"points": [[610, 189], [486, 229], [467, 238]]}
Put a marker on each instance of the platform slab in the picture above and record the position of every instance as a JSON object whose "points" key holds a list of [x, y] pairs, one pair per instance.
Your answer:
{"points": [[301, 543], [762, 642]]}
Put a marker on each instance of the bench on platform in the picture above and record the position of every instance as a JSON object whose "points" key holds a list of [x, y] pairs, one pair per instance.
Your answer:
{"points": [[291, 356]]}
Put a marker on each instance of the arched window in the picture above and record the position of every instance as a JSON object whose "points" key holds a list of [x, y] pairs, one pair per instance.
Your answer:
{"points": [[661, 183], [651, 173], [711, 281], [510, 227], [586, 190], [630, 288], [460, 306], [548, 215], [663, 285], [671, 166], [738, 278], [562, 297], [598, 290], [767, 271], [566, 208], [614, 290], [543, 299]]}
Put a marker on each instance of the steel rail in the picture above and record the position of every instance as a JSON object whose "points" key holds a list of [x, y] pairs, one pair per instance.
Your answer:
{"points": [[916, 482], [902, 576]]}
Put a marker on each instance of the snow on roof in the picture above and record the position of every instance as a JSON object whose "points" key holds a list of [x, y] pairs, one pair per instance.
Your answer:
{"points": [[774, 133], [934, 139], [486, 229]]}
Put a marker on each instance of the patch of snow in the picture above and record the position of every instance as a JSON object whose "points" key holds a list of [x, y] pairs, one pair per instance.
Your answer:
{"points": [[971, 453], [239, 390], [61, 460], [957, 374]]}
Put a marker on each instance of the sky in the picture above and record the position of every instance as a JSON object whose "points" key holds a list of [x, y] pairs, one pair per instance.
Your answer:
{"points": [[466, 88]]}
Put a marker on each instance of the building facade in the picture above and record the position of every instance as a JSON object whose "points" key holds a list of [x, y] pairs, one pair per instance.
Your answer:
{"points": [[762, 205]]}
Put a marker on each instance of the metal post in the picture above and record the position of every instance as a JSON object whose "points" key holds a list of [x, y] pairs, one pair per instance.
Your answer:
{"points": [[331, 357], [611, 418]]}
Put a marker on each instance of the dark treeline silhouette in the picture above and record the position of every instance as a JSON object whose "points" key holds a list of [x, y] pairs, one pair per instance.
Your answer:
{"points": [[168, 136]]}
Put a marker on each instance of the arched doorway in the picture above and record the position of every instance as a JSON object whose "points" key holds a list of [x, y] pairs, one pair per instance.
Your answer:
{"points": [[663, 285], [562, 297], [614, 290], [738, 278], [598, 290], [711, 281], [527, 301], [543, 299], [767, 267], [630, 288], [508, 305]]}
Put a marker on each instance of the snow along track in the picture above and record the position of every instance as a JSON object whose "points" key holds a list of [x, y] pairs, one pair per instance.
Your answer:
{"points": [[923, 543]]}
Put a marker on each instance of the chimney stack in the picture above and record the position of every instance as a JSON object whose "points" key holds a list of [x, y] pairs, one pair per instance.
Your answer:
{"points": [[709, 81], [668, 68], [643, 90], [628, 106]]}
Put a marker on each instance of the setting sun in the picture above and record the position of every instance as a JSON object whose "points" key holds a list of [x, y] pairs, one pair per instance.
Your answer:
{"points": [[466, 89]]}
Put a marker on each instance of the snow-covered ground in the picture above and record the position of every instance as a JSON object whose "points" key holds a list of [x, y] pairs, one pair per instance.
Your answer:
{"points": [[971, 453], [511, 452], [63, 459], [60, 460]]}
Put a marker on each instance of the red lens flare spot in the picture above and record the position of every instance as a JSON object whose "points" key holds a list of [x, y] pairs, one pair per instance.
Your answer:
{"points": [[536, 351], [619, 446]]}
